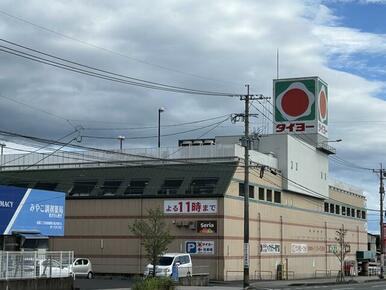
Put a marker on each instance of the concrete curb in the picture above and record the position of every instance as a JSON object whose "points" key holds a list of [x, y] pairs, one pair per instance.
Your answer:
{"points": [[324, 283]]}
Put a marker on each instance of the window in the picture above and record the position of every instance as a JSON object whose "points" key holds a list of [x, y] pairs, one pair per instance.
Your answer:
{"points": [[296, 166], [332, 208], [353, 212], [358, 213], [82, 188], [137, 186], [46, 185], [292, 165], [326, 207], [337, 209], [363, 214], [251, 190], [203, 186], [170, 186], [261, 193], [343, 210], [348, 211], [184, 260], [269, 195], [110, 187], [277, 197]]}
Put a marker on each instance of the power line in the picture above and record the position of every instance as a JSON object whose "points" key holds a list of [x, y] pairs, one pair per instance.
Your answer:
{"points": [[153, 136], [155, 127], [41, 148], [101, 73], [111, 51]]}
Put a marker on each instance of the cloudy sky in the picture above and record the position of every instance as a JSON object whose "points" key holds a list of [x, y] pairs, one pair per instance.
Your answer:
{"points": [[206, 45]]}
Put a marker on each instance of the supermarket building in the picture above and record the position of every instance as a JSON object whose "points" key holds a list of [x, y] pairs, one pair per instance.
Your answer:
{"points": [[295, 208]]}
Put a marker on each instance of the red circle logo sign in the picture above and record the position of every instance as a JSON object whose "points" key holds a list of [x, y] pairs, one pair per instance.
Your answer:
{"points": [[295, 102], [323, 104]]}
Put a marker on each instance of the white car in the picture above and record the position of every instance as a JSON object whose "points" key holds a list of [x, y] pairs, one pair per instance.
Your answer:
{"points": [[166, 262], [52, 269], [82, 267]]}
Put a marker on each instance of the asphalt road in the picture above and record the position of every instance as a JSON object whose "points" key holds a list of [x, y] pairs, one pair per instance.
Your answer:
{"points": [[124, 283], [103, 283]]}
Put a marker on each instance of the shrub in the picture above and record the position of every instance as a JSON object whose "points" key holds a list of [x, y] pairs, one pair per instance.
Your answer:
{"points": [[154, 283]]}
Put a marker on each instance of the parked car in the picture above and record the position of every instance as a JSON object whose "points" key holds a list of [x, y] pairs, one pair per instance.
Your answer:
{"points": [[166, 263], [52, 269], [82, 267]]}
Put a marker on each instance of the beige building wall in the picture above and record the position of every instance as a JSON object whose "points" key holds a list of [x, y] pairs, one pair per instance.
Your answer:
{"points": [[99, 229], [298, 225]]}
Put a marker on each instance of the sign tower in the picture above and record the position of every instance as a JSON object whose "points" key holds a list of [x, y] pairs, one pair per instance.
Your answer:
{"points": [[301, 107]]}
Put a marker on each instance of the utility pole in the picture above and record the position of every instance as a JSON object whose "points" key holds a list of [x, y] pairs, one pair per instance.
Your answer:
{"points": [[381, 196], [246, 189], [246, 143], [382, 175]]}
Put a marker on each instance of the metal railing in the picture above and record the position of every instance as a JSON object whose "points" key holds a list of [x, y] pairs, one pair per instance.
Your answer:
{"points": [[325, 273], [110, 158], [238, 277], [263, 275], [32, 265]]}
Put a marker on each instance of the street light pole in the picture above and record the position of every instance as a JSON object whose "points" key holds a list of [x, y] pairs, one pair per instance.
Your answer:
{"points": [[2, 145], [121, 138], [160, 110]]}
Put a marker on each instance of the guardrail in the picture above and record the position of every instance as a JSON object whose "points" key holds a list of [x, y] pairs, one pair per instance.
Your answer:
{"points": [[327, 273], [32, 265], [233, 271], [324, 273], [260, 274]]}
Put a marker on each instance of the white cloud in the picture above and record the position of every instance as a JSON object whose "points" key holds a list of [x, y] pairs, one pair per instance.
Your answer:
{"points": [[228, 43]]}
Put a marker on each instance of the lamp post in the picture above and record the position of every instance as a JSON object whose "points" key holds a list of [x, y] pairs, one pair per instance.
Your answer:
{"points": [[2, 145], [121, 138], [160, 110]]}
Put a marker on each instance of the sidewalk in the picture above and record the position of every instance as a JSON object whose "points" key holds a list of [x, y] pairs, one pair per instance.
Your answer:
{"points": [[236, 285], [312, 281]]}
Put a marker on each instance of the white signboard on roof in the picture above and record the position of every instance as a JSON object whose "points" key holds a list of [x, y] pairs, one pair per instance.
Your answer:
{"points": [[190, 206]]}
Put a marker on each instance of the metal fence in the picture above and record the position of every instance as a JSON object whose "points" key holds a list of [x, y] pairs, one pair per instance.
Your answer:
{"points": [[31, 265], [109, 158]]}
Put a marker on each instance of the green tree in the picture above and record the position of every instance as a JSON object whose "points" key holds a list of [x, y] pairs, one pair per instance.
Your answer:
{"points": [[154, 234], [341, 251]]}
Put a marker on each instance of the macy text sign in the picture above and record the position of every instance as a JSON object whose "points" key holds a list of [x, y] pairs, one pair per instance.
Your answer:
{"points": [[189, 206], [26, 209]]}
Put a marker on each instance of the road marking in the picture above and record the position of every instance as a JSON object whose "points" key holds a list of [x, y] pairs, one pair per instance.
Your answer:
{"points": [[347, 288]]}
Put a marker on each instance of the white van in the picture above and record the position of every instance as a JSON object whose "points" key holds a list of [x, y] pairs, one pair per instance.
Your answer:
{"points": [[166, 262]]}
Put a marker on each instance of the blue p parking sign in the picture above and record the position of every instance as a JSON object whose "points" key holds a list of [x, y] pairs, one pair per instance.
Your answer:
{"points": [[191, 247]]}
